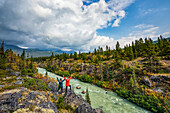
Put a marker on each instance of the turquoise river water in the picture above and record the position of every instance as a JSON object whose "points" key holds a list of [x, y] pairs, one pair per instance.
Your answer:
{"points": [[109, 102]]}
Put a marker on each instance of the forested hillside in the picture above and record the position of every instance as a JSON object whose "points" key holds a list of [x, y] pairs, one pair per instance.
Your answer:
{"points": [[139, 72]]}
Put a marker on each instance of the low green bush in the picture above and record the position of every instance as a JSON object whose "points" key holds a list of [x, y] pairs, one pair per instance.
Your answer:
{"points": [[2, 76], [35, 84], [2, 72], [148, 102], [85, 78], [60, 104], [26, 71], [138, 66], [29, 70], [99, 83], [65, 73]]}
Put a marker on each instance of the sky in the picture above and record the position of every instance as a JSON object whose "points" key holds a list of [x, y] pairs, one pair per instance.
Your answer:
{"points": [[81, 25]]}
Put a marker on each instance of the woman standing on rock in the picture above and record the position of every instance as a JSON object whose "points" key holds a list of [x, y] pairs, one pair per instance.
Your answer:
{"points": [[67, 82]]}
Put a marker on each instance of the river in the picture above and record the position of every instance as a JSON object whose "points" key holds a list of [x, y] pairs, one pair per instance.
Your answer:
{"points": [[108, 101]]}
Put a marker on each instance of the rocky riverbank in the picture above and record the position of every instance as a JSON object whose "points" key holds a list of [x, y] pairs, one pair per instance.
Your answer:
{"points": [[25, 100], [21, 99]]}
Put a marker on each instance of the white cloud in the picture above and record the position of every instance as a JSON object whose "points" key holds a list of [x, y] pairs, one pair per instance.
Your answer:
{"points": [[166, 33], [142, 31], [101, 41], [151, 30], [23, 47], [59, 24], [149, 11], [142, 26], [117, 21], [119, 4]]}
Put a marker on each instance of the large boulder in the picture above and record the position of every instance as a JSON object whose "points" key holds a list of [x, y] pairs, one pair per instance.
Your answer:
{"points": [[18, 82], [53, 86], [1, 86], [147, 81], [98, 110], [159, 78], [9, 101], [81, 105], [72, 98], [85, 108], [15, 73], [19, 78], [159, 89]]}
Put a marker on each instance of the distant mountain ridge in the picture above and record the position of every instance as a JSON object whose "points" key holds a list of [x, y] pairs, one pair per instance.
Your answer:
{"points": [[31, 52]]}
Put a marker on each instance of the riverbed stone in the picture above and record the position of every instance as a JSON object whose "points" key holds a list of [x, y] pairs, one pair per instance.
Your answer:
{"points": [[98, 110], [15, 73], [159, 89], [53, 86], [19, 78], [1, 86], [22, 106], [18, 82]]}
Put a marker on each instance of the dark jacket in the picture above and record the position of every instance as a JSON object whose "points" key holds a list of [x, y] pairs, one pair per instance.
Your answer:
{"points": [[60, 83]]}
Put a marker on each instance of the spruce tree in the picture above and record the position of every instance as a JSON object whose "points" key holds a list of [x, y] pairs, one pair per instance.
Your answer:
{"points": [[117, 46], [166, 49], [109, 51], [52, 55], [101, 72], [87, 96], [107, 47], [95, 51], [75, 55], [2, 49], [3, 58], [23, 55], [96, 60], [101, 49], [140, 47], [27, 55], [149, 53], [84, 57], [131, 55], [160, 44], [134, 50], [31, 65], [126, 52], [131, 82], [117, 63], [71, 55], [80, 55], [134, 81]]}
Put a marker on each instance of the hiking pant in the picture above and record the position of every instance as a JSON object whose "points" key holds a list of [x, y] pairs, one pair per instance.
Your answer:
{"points": [[60, 88], [66, 88]]}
